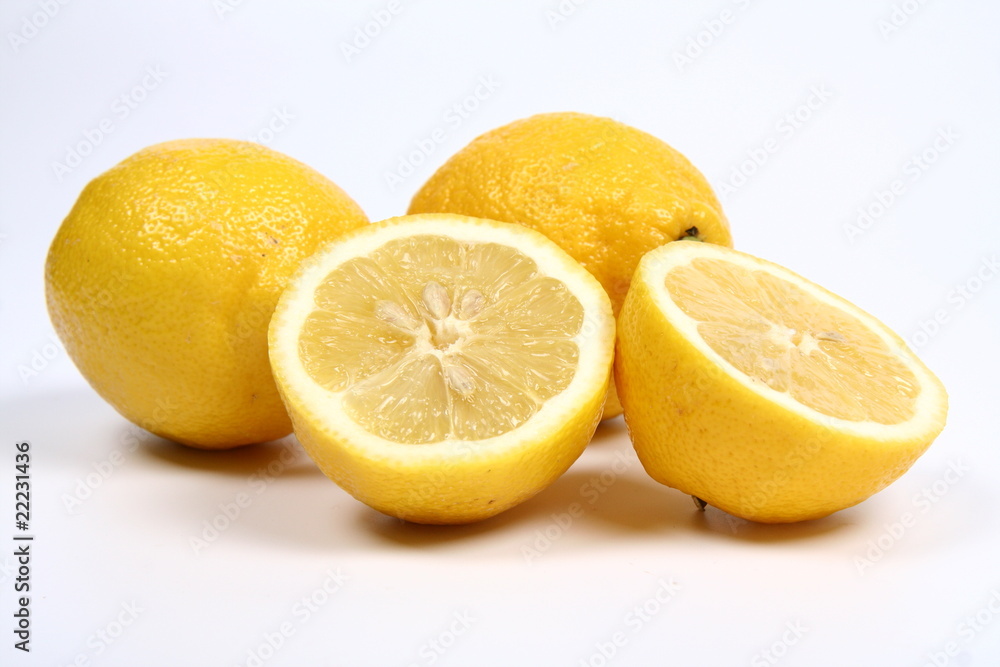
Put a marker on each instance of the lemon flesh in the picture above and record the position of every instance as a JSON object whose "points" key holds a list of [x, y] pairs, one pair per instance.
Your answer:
{"points": [[443, 369], [771, 330], [763, 394], [451, 349]]}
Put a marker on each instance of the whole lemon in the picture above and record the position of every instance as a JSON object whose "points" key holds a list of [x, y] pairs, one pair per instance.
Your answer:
{"points": [[162, 280], [605, 192]]}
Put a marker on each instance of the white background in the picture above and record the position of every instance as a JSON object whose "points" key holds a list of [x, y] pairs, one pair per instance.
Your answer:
{"points": [[858, 588]]}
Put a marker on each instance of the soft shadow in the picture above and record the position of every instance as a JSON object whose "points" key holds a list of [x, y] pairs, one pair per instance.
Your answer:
{"points": [[630, 502], [552, 500], [236, 462], [714, 521], [638, 504], [422, 536], [609, 431], [627, 503], [75, 425]]}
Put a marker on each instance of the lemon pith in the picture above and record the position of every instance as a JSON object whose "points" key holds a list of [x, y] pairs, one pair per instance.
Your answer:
{"points": [[442, 369], [763, 394], [603, 191]]}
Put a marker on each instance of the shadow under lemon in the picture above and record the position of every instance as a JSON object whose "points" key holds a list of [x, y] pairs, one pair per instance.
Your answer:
{"points": [[605, 491]]}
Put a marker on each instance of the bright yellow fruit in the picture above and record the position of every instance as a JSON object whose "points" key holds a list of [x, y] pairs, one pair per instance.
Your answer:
{"points": [[443, 369], [762, 394], [605, 192], [162, 280]]}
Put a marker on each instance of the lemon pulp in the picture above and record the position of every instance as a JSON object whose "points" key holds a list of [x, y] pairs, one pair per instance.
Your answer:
{"points": [[430, 338], [777, 334]]}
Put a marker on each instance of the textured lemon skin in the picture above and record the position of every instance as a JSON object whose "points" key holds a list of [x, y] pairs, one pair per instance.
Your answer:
{"points": [[162, 279], [465, 481], [603, 191], [697, 429]]}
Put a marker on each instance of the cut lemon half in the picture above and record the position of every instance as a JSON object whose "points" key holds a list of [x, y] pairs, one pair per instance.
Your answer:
{"points": [[442, 369], [763, 394]]}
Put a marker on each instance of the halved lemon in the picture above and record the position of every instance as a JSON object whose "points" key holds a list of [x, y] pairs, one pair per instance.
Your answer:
{"points": [[442, 369], [763, 394]]}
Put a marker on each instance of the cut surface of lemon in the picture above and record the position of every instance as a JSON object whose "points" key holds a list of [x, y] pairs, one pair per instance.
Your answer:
{"points": [[442, 369], [763, 394]]}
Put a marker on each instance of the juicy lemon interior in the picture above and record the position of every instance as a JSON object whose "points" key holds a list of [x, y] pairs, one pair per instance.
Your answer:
{"points": [[428, 338], [778, 334]]}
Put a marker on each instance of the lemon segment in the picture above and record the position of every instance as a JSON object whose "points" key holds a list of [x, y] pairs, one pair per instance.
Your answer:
{"points": [[441, 368], [763, 394]]}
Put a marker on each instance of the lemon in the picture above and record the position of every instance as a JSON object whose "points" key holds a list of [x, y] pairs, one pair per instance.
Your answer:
{"points": [[755, 390], [605, 192], [442, 369], [162, 280]]}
